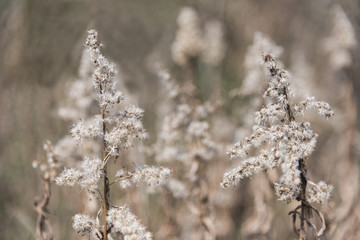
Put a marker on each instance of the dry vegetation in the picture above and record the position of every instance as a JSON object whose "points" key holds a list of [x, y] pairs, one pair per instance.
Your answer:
{"points": [[227, 124]]}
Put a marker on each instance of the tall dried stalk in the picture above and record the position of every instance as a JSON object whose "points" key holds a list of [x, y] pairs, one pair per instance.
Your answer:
{"points": [[290, 143], [106, 190], [117, 128]]}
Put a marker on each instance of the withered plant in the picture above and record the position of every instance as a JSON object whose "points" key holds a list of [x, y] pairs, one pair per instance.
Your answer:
{"points": [[185, 145], [283, 141], [117, 128], [185, 142], [47, 170]]}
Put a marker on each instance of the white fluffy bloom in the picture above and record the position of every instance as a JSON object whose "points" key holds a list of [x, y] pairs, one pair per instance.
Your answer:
{"points": [[128, 127], [89, 129], [188, 41], [124, 221], [287, 192], [191, 41], [120, 129], [83, 224], [91, 174], [69, 177], [110, 98], [87, 177], [290, 141], [341, 41], [181, 116], [250, 166], [197, 128], [319, 193], [323, 108], [153, 176], [104, 70]]}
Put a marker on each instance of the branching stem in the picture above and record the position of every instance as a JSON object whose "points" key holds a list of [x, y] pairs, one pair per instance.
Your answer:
{"points": [[303, 178]]}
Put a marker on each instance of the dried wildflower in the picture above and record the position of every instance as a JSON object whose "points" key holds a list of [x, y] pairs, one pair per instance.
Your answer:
{"points": [[323, 108], [153, 176], [319, 193], [82, 131], [341, 41], [191, 42], [49, 168], [185, 124], [253, 85], [84, 225], [185, 141], [122, 220], [290, 142], [126, 124], [188, 42], [118, 127], [87, 178], [69, 177]]}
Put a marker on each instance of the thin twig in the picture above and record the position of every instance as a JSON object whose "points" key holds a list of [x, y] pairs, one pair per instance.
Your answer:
{"points": [[323, 223], [43, 226]]}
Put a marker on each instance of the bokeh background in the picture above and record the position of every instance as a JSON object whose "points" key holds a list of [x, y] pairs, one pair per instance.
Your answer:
{"points": [[41, 43]]}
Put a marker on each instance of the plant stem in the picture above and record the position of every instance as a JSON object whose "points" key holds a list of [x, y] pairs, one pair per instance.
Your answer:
{"points": [[43, 226], [302, 169], [106, 179], [106, 199]]}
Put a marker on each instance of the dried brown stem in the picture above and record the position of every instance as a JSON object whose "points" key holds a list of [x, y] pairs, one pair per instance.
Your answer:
{"points": [[323, 225], [106, 189], [304, 205], [304, 179], [200, 197], [43, 226]]}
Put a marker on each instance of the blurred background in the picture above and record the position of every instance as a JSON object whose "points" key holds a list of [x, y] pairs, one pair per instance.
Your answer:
{"points": [[41, 43]]}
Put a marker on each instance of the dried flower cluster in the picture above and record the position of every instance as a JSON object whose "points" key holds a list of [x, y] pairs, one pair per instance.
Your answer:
{"points": [[185, 143], [184, 127], [284, 142], [48, 169], [253, 84], [152, 176], [124, 221], [87, 177], [191, 42], [117, 129], [341, 41]]}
